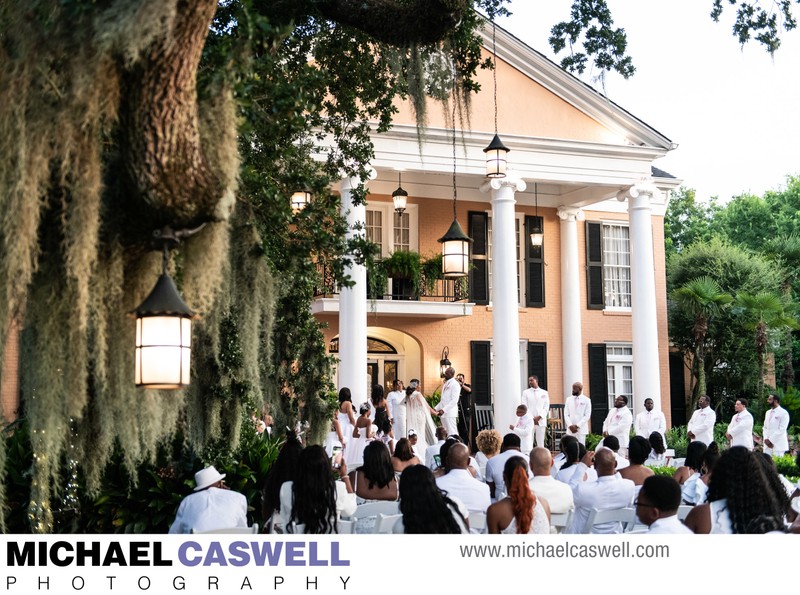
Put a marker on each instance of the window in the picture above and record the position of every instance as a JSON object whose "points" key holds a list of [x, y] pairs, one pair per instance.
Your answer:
{"points": [[616, 266], [608, 264], [391, 231], [619, 372]]}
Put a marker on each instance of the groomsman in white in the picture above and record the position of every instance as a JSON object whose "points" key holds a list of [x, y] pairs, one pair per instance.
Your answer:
{"points": [[776, 422], [577, 413], [740, 430], [524, 429], [649, 421], [538, 402], [701, 425], [618, 423]]}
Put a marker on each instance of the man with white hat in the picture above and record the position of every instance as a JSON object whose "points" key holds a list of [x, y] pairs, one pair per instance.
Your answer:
{"points": [[212, 505]]}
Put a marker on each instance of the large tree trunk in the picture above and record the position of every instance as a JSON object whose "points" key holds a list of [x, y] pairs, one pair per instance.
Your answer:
{"points": [[160, 133]]}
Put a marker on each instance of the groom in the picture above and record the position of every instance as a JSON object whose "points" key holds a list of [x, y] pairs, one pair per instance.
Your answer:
{"points": [[448, 405]]}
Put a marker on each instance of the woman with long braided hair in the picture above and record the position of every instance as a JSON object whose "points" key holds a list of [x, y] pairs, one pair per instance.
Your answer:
{"points": [[741, 498], [520, 512], [426, 508]]}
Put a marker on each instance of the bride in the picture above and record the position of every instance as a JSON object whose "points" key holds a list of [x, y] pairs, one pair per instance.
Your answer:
{"points": [[418, 416]]}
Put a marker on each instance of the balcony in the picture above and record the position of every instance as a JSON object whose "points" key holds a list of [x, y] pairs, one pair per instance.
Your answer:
{"points": [[423, 297]]}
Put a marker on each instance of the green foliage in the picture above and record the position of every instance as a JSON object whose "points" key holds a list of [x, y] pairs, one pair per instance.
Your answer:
{"points": [[663, 470], [592, 440], [686, 221], [677, 440], [786, 465]]}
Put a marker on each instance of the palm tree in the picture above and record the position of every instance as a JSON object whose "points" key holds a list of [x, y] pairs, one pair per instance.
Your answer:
{"points": [[785, 250], [701, 299], [763, 312]]}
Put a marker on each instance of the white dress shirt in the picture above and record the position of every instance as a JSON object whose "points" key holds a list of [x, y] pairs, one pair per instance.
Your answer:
{"points": [[669, 524], [702, 425], [607, 493], [432, 450], [648, 422], [741, 429], [210, 509], [776, 422], [460, 483], [557, 493], [618, 423], [578, 412]]}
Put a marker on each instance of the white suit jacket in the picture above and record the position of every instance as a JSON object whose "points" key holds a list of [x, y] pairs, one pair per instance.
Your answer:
{"points": [[451, 392], [702, 425], [524, 429], [537, 400], [209, 509], [618, 423], [776, 421], [578, 412], [607, 493], [648, 422], [741, 429]]}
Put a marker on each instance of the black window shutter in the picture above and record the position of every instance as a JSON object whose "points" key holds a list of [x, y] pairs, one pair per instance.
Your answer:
{"points": [[481, 379], [594, 265], [534, 261], [537, 362], [598, 385], [479, 271]]}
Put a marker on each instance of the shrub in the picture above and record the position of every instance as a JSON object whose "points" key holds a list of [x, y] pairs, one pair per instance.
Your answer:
{"points": [[592, 440]]}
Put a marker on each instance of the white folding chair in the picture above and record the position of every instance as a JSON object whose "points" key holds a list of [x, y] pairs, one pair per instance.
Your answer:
{"points": [[296, 528], [683, 510], [369, 509], [560, 521], [230, 530], [615, 520], [477, 522], [345, 527], [386, 523]]}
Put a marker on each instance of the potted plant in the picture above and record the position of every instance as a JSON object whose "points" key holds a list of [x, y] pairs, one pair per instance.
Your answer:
{"points": [[404, 268], [376, 278]]}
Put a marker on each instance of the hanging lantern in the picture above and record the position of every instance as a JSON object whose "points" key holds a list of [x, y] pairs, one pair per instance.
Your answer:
{"points": [[537, 233], [300, 200], [496, 161], [455, 251], [399, 196], [163, 338], [444, 363]]}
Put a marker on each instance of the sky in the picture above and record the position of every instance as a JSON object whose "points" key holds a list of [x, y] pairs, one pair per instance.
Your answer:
{"points": [[733, 111]]}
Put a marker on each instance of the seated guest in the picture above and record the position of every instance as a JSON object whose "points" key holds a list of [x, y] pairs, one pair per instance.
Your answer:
{"points": [[700, 491], [488, 443], [375, 479], [521, 512], [495, 466], [612, 443], [443, 451], [283, 469], [638, 451], [561, 457], [425, 508], [657, 505], [608, 492], [459, 482], [315, 499], [741, 498], [433, 449], [575, 452], [403, 456], [658, 452], [211, 506], [688, 475], [557, 493]]}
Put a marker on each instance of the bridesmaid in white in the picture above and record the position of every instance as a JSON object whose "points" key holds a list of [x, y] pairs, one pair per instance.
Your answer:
{"points": [[362, 433]]}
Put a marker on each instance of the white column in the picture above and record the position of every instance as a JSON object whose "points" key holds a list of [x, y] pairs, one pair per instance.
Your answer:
{"points": [[571, 342], [646, 368], [353, 306], [505, 305]]}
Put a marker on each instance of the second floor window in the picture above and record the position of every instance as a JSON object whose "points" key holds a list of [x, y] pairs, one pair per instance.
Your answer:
{"points": [[616, 266], [390, 231]]}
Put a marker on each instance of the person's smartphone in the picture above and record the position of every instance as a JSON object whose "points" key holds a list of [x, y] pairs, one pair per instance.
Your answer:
{"points": [[336, 457], [438, 460]]}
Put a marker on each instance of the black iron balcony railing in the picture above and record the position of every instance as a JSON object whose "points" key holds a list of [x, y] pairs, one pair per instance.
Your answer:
{"points": [[423, 289]]}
